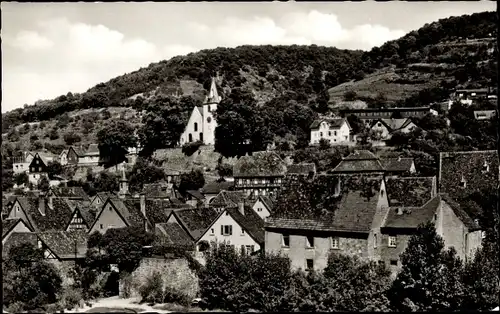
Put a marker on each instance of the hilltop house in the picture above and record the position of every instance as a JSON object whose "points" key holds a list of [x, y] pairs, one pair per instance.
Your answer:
{"points": [[464, 173], [484, 114], [90, 157], [37, 169], [364, 161], [335, 131], [240, 227], [70, 156], [386, 127], [259, 174], [386, 113], [21, 164], [201, 125]]}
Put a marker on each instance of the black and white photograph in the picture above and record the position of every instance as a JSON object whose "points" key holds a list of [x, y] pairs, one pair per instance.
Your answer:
{"points": [[174, 157]]}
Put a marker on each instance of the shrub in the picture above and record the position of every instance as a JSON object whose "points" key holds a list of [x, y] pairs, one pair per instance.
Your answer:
{"points": [[350, 96], [53, 134], [72, 298], [70, 138], [36, 145], [33, 137], [190, 148], [172, 295], [54, 308], [152, 290]]}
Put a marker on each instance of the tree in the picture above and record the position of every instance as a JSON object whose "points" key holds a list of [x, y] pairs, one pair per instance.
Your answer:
{"points": [[106, 182], [43, 184], [28, 279], [7, 179], [192, 180], [114, 139], [70, 138], [21, 178], [144, 172], [350, 95], [223, 169], [430, 276], [324, 144], [54, 168]]}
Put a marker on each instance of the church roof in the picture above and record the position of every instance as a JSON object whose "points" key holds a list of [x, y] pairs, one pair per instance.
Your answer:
{"points": [[213, 95]]}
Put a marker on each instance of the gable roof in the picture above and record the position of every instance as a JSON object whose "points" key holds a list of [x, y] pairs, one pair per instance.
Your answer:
{"points": [[397, 164], [410, 191], [70, 192], [268, 202], [93, 150], [195, 220], [333, 123], [87, 212], [128, 209], [260, 164], [460, 212], [158, 211], [158, 190], [314, 206], [301, 168], [250, 221], [213, 95], [453, 166], [412, 217], [359, 161], [171, 234], [394, 124], [56, 217], [216, 187], [65, 244], [227, 198], [9, 224]]}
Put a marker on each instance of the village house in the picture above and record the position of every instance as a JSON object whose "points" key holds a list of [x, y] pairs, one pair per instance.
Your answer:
{"points": [[240, 227], [194, 198], [335, 131], [201, 125], [386, 113], [259, 174], [42, 213], [484, 114], [21, 164], [452, 223], [212, 189], [83, 216], [90, 157], [263, 206], [227, 199], [10, 226], [70, 156], [100, 198], [464, 173], [37, 169], [386, 127], [305, 169], [364, 161]]}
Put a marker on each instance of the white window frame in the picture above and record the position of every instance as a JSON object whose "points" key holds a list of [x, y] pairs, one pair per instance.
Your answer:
{"points": [[335, 243], [392, 241]]}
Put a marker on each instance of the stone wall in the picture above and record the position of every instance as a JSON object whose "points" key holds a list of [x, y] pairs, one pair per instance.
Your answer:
{"points": [[175, 273]]}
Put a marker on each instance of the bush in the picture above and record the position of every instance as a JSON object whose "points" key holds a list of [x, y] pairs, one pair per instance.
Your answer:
{"points": [[72, 298], [350, 95], [152, 290], [190, 148], [33, 137], [36, 145], [172, 295], [70, 138], [54, 308]]}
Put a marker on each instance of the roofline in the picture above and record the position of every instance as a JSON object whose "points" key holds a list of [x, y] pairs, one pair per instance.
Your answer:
{"points": [[109, 200], [28, 217], [182, 224], [330, 230], [386, 109]]}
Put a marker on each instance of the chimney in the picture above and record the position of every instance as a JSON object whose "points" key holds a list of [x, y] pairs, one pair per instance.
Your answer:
{"points": [[41, 205], [241, 207], [142, 199]]}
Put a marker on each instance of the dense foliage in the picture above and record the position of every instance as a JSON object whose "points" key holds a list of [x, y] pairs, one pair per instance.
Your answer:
{"points": [[114, 138], [192, 180], [144, 172]]}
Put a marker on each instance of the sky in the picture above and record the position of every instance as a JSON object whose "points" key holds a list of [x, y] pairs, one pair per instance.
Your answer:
{"points": [[50, 49]]}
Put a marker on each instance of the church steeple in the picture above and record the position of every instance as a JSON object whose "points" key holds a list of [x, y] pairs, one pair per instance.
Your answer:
{"points": [[123, 184], [213, 95]]}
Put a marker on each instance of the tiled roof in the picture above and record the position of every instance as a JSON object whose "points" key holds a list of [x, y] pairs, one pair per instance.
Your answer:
{"points": [[227, 198], [130, 210], [215, 187], [267, 201], [250, 221], [455, 166], [195, 220], [93, 150], [460, 212], [196, 194], [359, 161], [55, 218], [16, 239], [105, 195], [171, 234], [79, 151], [412, 217], [70, 192], [158, 190], [396, 124], [65, 244], [302, 168], [410, 191], [332, 123], [8, 225], [397, 164], [158, 211], [260, 164]]}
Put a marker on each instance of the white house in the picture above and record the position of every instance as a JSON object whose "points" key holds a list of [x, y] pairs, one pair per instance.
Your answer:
{"points": [[90, 157], [336, 131], [240, 227], [201, 125], [386, 127], [21, 164], [263, 206]]}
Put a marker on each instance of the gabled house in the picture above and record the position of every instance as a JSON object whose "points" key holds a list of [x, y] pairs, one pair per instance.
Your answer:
{"points": [[90, 157], [364, 162], [386, 127], [83, 216], [202, 123], [240, 227], [70, 156], [100, 198], [21, 164], [120, 213], [212, 189], [173, 235], [263, 206], [259, 174], [305, 169], [456, 228], [10, 226], [227, 199], [464, 173], [37, 169], [312, 219], [335, 131], [42, 214], [194, 221]]}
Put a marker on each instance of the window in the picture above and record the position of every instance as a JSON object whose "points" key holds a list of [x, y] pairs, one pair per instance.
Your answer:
{"points": [[309, 264], [463, 183], [102, 227], [335, 243], [435, 217], [310, 242], [392, 241], [286, 240], [335, 133], [329, 133], [382, 193], [226, 230], [227, 214], [249, 248], [196, 127], [208, 107], [379, 124], [242, 249], [212, 231], [394, 262], [486, 167], [375, 241], [259, 209], [242, 231], [321, 134]]}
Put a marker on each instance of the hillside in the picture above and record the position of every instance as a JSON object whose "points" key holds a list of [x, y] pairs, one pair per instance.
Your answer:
{"points": [[449, 53]]}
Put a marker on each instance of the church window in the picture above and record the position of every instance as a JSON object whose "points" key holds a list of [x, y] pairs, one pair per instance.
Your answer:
{"points": [[209, 119], [195, 127], [321, 134], [190, 137], [208, 107]]}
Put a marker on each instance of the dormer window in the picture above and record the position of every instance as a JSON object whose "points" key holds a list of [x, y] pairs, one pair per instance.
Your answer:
{"points": [[463, 183]]}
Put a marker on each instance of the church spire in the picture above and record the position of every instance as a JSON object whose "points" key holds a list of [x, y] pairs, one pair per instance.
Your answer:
{"points": [[213, 95]]}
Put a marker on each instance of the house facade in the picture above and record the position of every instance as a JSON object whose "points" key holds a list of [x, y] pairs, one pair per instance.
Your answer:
{"points": [[263, 206], [386, 113], [21, 164], [37, 170], [384, 128], [120, 213], [484, 114], [201, 125], [259, 174], [70, 156], [335, 131], [90, 157]]}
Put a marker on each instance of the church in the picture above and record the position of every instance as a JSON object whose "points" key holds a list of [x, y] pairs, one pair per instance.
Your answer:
{"points": [[201, 125]]}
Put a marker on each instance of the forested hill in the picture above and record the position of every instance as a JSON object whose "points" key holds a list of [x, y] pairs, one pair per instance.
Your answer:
{"points": [[304, 73]]}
